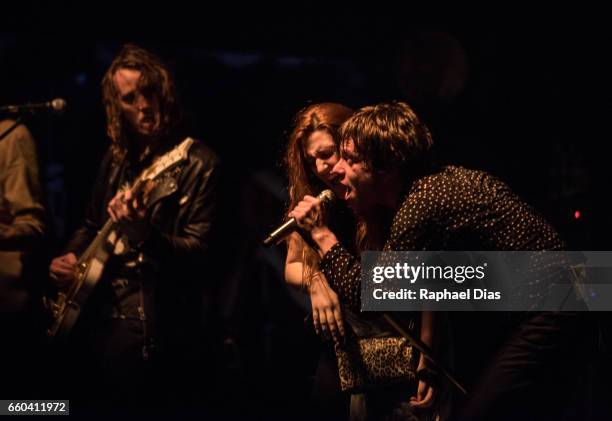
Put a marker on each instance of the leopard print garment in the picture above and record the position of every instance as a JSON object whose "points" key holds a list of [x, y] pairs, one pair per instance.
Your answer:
{"points": [[369, 363]]}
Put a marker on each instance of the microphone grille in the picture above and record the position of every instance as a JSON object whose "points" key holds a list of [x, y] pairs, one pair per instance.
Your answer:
{"points": [[326, 196], [58, 105]]}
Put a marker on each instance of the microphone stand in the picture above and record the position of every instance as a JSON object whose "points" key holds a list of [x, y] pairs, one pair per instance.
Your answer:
{"points": [[426, 351]]}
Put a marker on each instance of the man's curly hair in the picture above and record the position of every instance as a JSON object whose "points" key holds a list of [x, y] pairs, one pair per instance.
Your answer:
{"points": [[156, 78]]}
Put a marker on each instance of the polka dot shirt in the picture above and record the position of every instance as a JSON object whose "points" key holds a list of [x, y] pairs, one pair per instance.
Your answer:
{"points": [[452, 209]]}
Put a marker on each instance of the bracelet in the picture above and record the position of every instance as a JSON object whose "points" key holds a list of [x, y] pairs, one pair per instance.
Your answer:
{"points": [[307, 283]]}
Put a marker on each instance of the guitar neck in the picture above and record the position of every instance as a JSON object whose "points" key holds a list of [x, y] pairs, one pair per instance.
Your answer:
{"points": [[97, 241]]}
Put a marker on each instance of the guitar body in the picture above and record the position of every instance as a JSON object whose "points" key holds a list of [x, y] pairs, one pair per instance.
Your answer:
{"points": [[88, 274], [66, 308]]}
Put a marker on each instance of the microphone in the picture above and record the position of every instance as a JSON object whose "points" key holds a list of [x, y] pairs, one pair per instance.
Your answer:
{"points": [[56, 106], [326, 196]]}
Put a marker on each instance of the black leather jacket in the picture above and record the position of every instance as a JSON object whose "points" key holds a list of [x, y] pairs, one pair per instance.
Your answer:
{"points": [[168, 285]]}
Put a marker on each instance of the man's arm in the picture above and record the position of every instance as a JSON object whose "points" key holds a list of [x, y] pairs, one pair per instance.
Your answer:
{"points": [[408, 232], [23, 227], [194, 239], [95, 215], [343, 272], [61, 270]]}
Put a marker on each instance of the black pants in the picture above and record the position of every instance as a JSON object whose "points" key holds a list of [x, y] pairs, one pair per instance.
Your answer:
{"points": [[540, 373]]}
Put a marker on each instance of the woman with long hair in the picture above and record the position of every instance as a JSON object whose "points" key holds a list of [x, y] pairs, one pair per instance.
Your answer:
{"points": [[311, 154]]}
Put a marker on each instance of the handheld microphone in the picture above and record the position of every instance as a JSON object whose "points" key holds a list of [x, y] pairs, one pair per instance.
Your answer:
{"points": [[326, 196], [56, 106]]}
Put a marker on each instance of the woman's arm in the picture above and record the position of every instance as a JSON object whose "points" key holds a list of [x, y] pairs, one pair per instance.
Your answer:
{"points": [[326, 312], [293, 263]]}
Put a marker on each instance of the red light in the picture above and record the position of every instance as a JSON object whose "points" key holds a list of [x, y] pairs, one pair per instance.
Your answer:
{"points": [[577, 214]]}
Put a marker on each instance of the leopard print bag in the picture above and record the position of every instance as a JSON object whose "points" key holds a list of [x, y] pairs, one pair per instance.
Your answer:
{"points": [[366, 363]]}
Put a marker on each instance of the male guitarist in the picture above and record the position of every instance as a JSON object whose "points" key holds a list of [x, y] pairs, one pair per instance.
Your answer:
{"points": [[145, 313]]}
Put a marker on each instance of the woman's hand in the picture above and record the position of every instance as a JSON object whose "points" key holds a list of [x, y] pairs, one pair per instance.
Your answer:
{"points": [[326, 311]]}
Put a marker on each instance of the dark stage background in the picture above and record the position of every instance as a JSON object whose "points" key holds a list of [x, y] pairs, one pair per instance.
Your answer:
{"points": [[528, 106]]}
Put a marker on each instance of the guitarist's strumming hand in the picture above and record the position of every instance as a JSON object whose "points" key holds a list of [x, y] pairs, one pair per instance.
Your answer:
{"points": [[61, 270], [130, 215]]}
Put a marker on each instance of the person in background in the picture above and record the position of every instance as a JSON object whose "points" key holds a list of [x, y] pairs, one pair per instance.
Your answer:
{"points": [[22, 235]]}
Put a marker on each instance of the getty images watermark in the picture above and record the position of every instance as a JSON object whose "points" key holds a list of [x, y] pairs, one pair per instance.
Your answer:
{"points": [[487, 281]]}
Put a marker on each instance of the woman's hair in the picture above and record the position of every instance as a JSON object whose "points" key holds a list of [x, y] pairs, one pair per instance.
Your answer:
{"points": [[156, 78], [302, 180], [326, 116]]}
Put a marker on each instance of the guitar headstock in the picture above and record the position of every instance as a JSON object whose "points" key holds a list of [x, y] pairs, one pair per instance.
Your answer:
{"points": [[177, 154]]}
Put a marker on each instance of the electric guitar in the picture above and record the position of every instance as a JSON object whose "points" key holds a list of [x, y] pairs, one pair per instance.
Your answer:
{"points": [[66, 307]]}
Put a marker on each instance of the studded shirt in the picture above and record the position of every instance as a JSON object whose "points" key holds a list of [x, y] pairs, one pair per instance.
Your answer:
{"points": [[452, 209]]}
